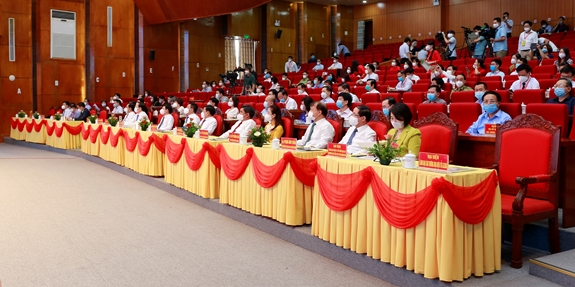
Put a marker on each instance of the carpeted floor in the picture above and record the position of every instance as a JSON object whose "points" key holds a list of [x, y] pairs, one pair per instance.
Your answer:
{"points": [[65, 221]]}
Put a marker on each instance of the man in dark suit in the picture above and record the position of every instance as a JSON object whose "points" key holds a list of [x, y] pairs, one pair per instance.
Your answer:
{"points": [[83, 112]]}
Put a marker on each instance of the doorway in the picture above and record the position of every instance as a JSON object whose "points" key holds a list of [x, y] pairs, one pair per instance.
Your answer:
{"points": [[368, 34]]}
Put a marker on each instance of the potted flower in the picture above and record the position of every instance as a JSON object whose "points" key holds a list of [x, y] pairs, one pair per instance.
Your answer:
{"points": [[258, 136], [57, 116], [93, 119], [144, 124], [36, 115], [21, 114], [384, 151], [113, 121], [190, 129]]}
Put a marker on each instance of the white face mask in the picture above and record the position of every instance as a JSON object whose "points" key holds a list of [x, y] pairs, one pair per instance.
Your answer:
{"points": [[258, 91], [63, 107], [305, 76], [309, 86], [414, 64], [186, 111], [174, 105], [459, 84], [449, 35], [310, 115], [523, 79], [218, 96], [204, 86], [267, 118], [202, 115], [221, 84], [213, 85], [397, 124], [284, 78], [302, 107], [561, 55], [240, 117], [428, 48], [353, 121], [125, 110], [513, 61], [163, 111], [137, 110], [393, 64], [349, 71], [230, 103], [405, 66], [495, 25], [323, 95], [477, 33], [299, 92], [526, 29]]}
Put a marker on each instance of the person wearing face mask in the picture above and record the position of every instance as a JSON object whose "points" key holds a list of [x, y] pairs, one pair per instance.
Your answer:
{"points": [[305, 107], [514, 59], [527, 39], [290, 66], [275, 84], [359, 131], [336, 64], [208, 122], [73, 112], [312, 59], [494, 69], [343, 104], [433, 57], [177, 106], [118, 110], [290, 104], [260, 91], [433, 94], [141, 112], [562, 89], [564, 57], [451, 52], [270, 101], [545, 28], [406, 65], [166, 124], [492, 114], [104, 106], [371, 87], [244, 124], [460, 84], [326, 95], [480, 44], [394, 66], [233, 110], [82, 113], [413, 49], [268, 77], [318, 66], [305, 79], [320, 132], [410, 74], [221, 96], [318, 82], [525, 82], [249, 80], [386, 104], [301, 89], [191, 116], [116, 96], [130, 118], [371, 75], [404, 49], [285, 78], [479, 68], [404, 83], [206, 87], [480, 89], [561, 26], [415, 63], [66, 111], [500, 40], [403, 134], [544, 53], [344, 88], [275, 127], [87, 104], [448, 75], [518, 63], [507, 24]]}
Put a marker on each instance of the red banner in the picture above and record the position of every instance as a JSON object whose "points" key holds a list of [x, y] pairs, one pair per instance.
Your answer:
{"points": [[490, 129]]}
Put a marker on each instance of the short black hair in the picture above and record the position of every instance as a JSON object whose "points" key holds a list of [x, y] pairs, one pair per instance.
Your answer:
{"points": [[249, 110], [215, 101], [524, 67], [328, 88], [490, 92], [344, 86], [131, 105], [390, 100], [436, 88], [528, 22], [481, 83], [567, 69], [477, 27], [81, 104], [179, 101], [168, 107], [372, 82], [371, 67], [439, 81], [236, 101], [543, 22], [402, 112], [275, 92], [210, 109], [364, 111], [194, 107], [67, 103], [505, 13], [321, 107], [301, 85], [409, 70], [497, 19], [406, 40], [497, 61], [346, 97], [307, 101], [283, 92]]}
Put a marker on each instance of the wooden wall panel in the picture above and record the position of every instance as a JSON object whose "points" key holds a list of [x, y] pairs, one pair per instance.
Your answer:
{"points": [[317, 30], [345, 23], [162, 38], [207, 50], [280, 49], [246, 23]]}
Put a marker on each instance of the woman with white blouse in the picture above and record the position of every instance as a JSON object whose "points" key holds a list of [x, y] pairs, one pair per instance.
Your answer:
{"points": [[233, 111]]}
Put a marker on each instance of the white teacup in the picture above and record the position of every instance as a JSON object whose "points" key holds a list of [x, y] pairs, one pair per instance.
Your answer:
{"points": [[408, 161]]}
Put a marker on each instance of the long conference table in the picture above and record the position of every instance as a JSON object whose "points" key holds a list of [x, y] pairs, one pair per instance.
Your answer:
{"points": [[426, 221]]}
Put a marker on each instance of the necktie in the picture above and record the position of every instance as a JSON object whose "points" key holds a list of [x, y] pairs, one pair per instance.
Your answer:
{"points": [[161, 121], [236, 128], [137, 117], [523, 86], [310, 133], [352, 136], [202, 122]]}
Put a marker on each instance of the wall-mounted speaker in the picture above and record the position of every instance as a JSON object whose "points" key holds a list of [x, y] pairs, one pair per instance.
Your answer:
{"points": [[279, 34], [152, 55]]}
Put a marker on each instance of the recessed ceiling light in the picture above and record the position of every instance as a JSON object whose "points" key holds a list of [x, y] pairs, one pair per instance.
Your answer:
{"points": [[364, 1]]}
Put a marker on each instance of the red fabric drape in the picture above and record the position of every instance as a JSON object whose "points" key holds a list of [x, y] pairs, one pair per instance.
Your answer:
{"points": [[114, 138], [21, 126], [160, 142], [29, 125], [104, 135], [234, 169], [94, 133], [86, 132], [50, 129], [131, 143], [302, 168], [471, 205], [14, 123], [194, 160], [38, 125], [214, 154], [144, 146], [73, 130], [267, 176], [174, 150]]}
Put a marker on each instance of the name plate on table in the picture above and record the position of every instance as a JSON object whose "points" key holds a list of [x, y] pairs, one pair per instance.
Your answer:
{"points": [[204, 134], [289, 143], [490, 129], [234, 138], [335, 149], [434, 160]]}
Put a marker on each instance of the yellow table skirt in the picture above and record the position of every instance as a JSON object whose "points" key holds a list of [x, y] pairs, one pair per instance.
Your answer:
{"points": [[15, 133], [204, 182], [113, 154], [152, 164], [66, 141], [442, 246], [289, 201], [34, 136], [87, 146]]}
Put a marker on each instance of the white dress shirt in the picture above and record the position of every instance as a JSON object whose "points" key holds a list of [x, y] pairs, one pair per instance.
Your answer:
{"points": [[354, 98], [404, 86], [166, 123], [363, 134], [290, 66], [496, 73], [553, 46], [118, 110], [531, 84], [345, 114], [526, 39], [210, 124], [318, 67], [372, 76], [291, 104], [232, 113], [240, 127], [193, 118], [67, 113], [130, 119], [414, 78], [334, 66], [404, 51], [323, 133], [141, 116], [328, 100]]}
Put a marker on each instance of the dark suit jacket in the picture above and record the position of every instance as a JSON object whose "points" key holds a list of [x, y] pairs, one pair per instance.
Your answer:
{"points": [[83, 116]]}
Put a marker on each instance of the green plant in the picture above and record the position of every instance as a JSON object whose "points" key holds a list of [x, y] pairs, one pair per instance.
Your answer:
{"points": [[93, 119], [57, 116], [144, 124], [113, 121], [190, 129], [385, 151], [36, 115], [21, 114], [259, 137]]}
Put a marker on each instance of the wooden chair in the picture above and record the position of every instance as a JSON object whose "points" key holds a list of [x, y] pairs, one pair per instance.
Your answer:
{"points": [[526, 158], [438, 134]]}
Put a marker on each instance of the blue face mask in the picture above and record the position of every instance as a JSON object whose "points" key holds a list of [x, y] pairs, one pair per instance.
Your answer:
{"points": [[560, 92], [479, 95], [315, 82], [267, 76], [266, 105], [431, 97], [492, 68], [329, 78], [400, 79], [367, 88], [490, 108], [313, 57], [386, 112], [282, 100], [339, 104], [544, 50]]}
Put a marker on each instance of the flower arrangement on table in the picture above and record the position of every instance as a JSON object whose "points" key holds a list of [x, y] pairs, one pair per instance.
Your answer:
{"points": [[21, 114], [190, 129], [144, 124], [57, 116], [113, 121], [93, 119], [36, 115], [259, 137], [385, 151]]}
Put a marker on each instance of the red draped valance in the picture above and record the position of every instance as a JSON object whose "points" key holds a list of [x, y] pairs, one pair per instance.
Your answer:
{"points": [[341, 192]]}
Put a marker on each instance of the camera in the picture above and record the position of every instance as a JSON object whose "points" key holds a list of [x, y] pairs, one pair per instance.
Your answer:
{"points": [[439, 37], [231, 76], [487, 32], [466, 31]]}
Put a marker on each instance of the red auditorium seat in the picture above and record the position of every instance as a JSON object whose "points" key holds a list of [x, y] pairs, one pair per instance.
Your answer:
{"points": [[545, 84], [551, 70], [529, 96], [463, 97], [220, 128], [396, 96], [542, 76], [331, 106], [373, 106], [491, 79], [379, 128], [558, 114], [413, 108], [176, 116], [370, 98], [438, 134], [420, 88], [413, 97], [425, 110], [494, 85], [288, 121], [464, 114], [512, 109], [315, 97], [337, 124]]}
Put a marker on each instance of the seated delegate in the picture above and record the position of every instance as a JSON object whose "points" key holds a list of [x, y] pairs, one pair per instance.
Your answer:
{"points": [[562, 89], [275, 126], [244, 125], [208, 122], [359, 132], [403, 134], [492, 114], [320, 132], [167, 121]]}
